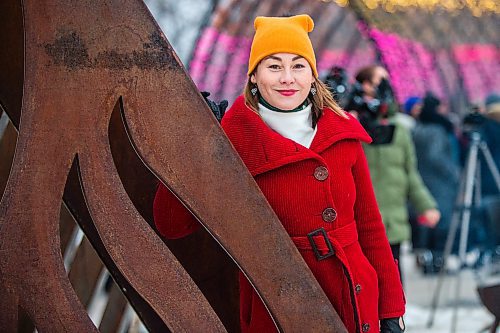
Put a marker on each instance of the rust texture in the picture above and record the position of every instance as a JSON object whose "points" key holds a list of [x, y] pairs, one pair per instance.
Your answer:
{"points": [[69, 50], [80, 59]]}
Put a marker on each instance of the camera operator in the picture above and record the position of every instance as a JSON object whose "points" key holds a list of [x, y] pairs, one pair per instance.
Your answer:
{"points": [[371, 100], [490, 132], [486, 123], [391, 159], [368, 81]]}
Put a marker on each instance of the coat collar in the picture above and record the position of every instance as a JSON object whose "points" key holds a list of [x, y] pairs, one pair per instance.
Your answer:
{"points": [[262, 149]]}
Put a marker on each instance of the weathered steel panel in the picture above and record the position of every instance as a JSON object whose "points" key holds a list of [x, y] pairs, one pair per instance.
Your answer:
{"points": [[81, 57], [8, 311]]}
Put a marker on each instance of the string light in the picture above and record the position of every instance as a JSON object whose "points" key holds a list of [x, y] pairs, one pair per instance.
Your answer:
{"points": [[476, 7]]}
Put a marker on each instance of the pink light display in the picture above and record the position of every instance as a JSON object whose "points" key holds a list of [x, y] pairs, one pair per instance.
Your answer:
{"points": [[216, 68], [350, 62], [237, 69], [411, 66], [219, 64], [479, 66], [202, 54]]}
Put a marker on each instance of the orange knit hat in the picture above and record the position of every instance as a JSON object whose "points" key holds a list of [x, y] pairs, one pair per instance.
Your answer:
{"points": [[282, 35]]}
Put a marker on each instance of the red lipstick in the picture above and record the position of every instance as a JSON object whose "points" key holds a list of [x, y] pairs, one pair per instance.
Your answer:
{"points": [[287, 92]]}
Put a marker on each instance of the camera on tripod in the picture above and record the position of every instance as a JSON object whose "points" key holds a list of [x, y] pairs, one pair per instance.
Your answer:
{"points": [[371, 111], [472, 121]]}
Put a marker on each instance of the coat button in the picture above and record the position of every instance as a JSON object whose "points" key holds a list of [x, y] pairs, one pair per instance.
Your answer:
{"points": [[366, 327], [329, 215], [357, 288], [321, 173]]}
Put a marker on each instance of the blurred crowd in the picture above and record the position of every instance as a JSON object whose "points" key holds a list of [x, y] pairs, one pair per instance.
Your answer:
{"points": [[418, 161]]}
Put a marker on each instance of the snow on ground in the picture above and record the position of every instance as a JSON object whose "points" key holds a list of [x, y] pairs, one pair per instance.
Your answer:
{"points": [[471, 317]]}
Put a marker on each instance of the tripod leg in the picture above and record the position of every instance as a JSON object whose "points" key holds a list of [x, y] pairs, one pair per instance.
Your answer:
{"points": [[464, 197], [450, 239], [464, 232]]}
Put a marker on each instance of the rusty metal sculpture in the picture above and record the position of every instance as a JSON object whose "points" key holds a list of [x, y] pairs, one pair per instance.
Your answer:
{"points": [[80, 59]]}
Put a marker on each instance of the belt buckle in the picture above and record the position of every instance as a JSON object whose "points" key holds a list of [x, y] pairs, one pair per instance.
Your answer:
{"points": [[319, 256]]}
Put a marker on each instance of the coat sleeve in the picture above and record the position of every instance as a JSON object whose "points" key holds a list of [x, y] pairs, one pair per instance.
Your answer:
{"points": [[171, 218], [374, 243], [418, 194]]}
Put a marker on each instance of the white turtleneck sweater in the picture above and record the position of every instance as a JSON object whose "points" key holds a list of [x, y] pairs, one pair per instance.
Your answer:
{"points": [[296, 126]]}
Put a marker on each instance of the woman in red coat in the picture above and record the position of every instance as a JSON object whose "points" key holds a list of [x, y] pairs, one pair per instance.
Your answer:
{"points": [[306, 156]]}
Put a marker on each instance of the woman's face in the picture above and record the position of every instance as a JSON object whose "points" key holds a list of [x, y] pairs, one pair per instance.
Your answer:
{"points": [[284, 80], [370, 88]]}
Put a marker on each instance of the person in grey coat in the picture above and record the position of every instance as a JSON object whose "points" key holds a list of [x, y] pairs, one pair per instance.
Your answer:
{"points": [[434, 143]]}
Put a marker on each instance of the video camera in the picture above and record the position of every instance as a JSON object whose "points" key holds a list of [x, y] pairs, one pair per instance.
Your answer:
{"points": [[370, 112], [338, 84], [472, 121]]}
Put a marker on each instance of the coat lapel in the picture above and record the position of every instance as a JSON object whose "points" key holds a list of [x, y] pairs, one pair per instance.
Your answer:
{"points": [[333, 128], [262, 149]]}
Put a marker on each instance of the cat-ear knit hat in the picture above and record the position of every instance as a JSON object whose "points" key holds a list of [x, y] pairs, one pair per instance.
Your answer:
{"points": [[282, 35]]}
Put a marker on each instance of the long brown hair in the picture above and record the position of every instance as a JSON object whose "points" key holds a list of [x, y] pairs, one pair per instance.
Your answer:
{"points": [[322, 99]]}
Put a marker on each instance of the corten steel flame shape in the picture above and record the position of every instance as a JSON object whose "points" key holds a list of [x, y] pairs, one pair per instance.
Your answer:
{"points": [[80, 58]]}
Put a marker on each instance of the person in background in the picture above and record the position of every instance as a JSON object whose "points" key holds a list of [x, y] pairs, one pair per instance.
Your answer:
{"points": [[411, 110], [394, 173], [306, 156], [434, 140], [413, 106], [490, 133], [486, 216]]}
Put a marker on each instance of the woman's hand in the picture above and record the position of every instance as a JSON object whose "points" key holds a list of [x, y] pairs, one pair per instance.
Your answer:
{"points": [[217, 109], [429, 218], [392, 325]]}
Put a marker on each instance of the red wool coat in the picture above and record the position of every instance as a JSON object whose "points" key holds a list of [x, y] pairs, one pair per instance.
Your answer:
{"points": [[326, 186]]}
